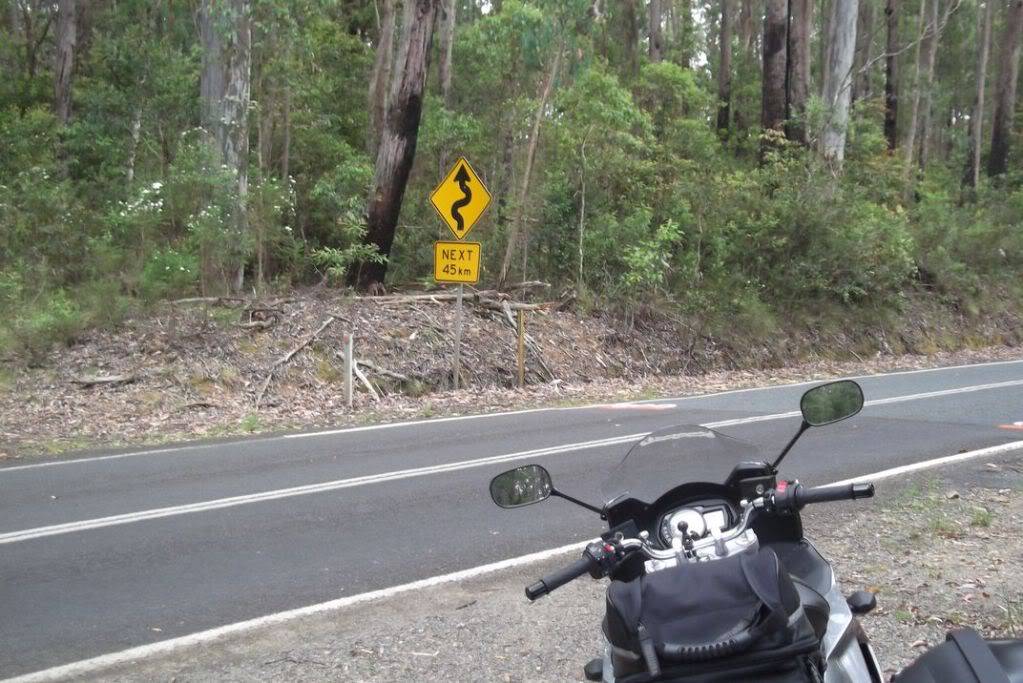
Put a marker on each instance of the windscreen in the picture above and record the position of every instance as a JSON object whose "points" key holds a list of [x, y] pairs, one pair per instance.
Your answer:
{"points": [[674, 456]]}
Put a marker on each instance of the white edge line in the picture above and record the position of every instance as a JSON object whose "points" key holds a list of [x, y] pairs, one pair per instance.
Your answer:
{"points": [[88, 666], [441, 420]]}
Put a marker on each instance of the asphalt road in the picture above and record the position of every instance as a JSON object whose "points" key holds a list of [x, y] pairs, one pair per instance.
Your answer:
{"points": [[105, 553]]}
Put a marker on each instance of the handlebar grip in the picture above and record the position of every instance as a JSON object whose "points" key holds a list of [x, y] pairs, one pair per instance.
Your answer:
{"points": [[558, 578], [827, 494]]}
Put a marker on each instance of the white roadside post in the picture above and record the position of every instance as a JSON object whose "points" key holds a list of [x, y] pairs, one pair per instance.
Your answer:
{"points": [[349, 367]]}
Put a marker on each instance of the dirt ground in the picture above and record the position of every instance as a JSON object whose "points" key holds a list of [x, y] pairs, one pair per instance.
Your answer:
{"points": [[197, 370], [941, 549]]}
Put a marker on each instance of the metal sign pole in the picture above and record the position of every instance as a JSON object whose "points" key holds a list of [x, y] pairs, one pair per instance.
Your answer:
{"points": [[458, 337]]}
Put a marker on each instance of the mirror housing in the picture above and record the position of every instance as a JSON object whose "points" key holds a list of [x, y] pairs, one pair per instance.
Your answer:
{"points": [[831, 402], [521, 486]]}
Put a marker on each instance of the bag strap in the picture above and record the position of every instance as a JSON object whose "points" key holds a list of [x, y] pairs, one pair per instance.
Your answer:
{"points": [[978, 656]]}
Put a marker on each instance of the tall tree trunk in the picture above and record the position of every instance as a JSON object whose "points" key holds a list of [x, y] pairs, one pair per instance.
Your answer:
{"points": [[225, 33], [972, 172], [286, 142], [864, 44], [909, 146], [67, 38], [654, 30], [838, 80], [891, 74], [1005, 90], [398, 140], [772, 113], [725, 68], [746, 27], [447, 43], [520, 207], [932, 51], [380, 79], [630, 22], [800, 22]]}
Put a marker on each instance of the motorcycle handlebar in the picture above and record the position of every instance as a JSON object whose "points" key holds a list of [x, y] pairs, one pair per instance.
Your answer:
{"points": [[559, 578], [827, 494]]}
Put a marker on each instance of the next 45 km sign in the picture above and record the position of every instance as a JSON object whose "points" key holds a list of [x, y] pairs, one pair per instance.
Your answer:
{"points": [[456, 262]]}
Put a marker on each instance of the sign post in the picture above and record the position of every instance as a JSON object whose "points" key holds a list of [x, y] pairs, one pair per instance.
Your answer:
{"points": [[460, 200]]}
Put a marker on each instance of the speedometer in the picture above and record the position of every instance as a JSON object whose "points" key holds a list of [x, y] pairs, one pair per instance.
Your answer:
{"points": [[693, 519]]}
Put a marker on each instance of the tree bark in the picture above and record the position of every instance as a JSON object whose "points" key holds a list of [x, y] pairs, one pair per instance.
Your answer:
{"points": [[772, 113], [520, 207], [746, 27], [800, 22], [225, 33], [838, 80], [891, 74], [447, 43], [725, 68], [914, 114], [398, 140], [972, 172], [654, 28], [630, 21], [864, 42], [380, 79], [932, 51], [67, 38], [1005, 90]]}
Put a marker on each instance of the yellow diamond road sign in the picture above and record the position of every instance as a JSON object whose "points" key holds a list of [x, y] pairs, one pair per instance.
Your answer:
{"points": [[461, 198], [457, 262]]}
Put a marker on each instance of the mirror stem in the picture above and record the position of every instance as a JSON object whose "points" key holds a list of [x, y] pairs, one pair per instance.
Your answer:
{"points": [[570, 499], [788, 447]]}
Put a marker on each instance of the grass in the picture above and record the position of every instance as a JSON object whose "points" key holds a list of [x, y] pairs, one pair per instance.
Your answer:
{"points": [[904, 616], [251, 423], [981, 517], [944, 527]]}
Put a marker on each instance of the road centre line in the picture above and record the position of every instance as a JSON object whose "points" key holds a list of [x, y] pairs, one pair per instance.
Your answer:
{"points": [[322, 487], [88, 667], [441, 420]]}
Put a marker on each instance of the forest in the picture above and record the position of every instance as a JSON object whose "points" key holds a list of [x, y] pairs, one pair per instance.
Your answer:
{"points": [[732, 161]]}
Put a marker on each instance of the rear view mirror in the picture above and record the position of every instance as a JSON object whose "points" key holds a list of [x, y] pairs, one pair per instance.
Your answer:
{"points": [[521, 486], [831, 402]]}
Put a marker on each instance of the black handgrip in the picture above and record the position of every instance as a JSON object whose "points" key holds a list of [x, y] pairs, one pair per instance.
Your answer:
{"points": [[827, 494], [559, 578]]}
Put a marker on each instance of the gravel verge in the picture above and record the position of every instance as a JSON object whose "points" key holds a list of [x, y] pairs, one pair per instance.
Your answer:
{"points": [[941, 549]]}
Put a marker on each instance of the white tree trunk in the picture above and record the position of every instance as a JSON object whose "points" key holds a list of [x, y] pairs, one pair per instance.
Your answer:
{"points": [[838, 79]]}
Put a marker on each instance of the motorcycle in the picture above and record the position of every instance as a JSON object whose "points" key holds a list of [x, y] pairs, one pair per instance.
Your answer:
{"points": [[716, 582]]}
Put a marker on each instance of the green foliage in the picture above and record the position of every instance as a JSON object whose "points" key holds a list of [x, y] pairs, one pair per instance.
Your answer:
{"points": [[634, 196]]}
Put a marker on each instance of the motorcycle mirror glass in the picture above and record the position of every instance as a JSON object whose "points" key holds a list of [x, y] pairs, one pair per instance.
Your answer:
{"points": [[831, 402], [521, 486]]}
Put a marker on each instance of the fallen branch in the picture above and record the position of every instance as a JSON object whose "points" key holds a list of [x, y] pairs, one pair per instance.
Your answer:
{"points": [[291, 354], [104, 380], [215, 300], [257, 324], [382, 371], [365, 382]]}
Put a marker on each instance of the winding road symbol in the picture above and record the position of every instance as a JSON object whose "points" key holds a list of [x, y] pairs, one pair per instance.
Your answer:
{"points": [[462, 178], [461, 198]]}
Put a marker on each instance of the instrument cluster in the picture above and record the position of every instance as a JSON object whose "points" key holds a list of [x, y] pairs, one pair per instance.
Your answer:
{"points": [[698, 520]]}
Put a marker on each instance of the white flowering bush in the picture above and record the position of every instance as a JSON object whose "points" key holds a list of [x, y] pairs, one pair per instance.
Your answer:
{"points": [[169, 272]]}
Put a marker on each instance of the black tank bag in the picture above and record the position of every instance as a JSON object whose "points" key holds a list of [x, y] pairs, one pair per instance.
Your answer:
{"points": [[738, 618]]}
